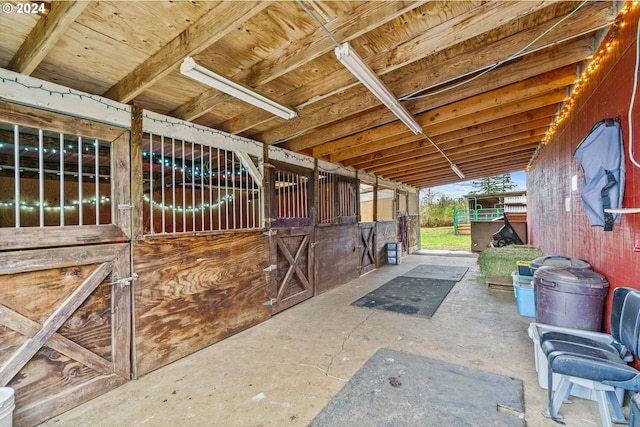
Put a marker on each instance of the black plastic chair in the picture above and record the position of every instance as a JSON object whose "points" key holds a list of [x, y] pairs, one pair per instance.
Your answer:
{"points": [[597, 365]]}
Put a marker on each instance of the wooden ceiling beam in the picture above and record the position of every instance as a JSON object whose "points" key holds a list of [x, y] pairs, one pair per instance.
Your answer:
{"points": [[556, 80], [342, 79], [495, 148], [548, 100], [362, 19], [496, 128], [211, 27], [513, 76], [457, 150], [45, 34], [450, 178], [479, 168], [482, 54], [442, 174]]}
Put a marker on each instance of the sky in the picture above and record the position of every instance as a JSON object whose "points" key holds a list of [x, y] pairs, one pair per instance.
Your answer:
{"points": [[462, 188]]}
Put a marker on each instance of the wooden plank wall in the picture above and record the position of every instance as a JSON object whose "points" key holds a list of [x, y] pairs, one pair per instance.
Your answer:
{"points": [[557, 221], [193, 291], [336, 255]]}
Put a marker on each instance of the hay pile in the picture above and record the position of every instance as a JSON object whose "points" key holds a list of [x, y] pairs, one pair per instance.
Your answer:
{"points": [[501, 262]]}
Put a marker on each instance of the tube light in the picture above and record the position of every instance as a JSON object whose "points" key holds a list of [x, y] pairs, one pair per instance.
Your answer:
{"points": [[197, 72], [457, 170], [367, 77]]}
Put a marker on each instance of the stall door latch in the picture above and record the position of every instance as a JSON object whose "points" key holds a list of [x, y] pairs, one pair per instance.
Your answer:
{"points": [[126, 281]]}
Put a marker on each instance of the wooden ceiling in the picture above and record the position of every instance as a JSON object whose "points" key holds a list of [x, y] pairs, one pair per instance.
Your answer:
{"points": [[485, 77]]}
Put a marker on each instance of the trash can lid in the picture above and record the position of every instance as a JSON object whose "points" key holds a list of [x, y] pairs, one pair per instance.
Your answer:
{"points": [[559, 261], [571, 279]]}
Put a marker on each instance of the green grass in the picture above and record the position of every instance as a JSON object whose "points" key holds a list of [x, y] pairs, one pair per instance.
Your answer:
{"points": [[443, 238]]}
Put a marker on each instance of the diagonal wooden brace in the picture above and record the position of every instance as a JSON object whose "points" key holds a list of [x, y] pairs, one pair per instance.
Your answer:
{"points": [[27, 350], [27, 327]]}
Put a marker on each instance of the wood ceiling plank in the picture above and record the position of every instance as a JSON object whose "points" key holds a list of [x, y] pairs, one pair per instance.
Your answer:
{"points": [[515, 122], [480, 54], [430, 172], [212, 26], [460, 154], [496, 160], [448, 177], [293, 56], [398, 154], [526, 68], [553, 80], [45, 35], [547, 100]]}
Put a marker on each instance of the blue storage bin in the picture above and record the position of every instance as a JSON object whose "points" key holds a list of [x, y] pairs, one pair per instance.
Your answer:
{"points": [[525, 296]]}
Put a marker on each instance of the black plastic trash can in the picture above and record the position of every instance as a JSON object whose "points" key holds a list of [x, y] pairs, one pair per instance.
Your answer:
{"points": [[570, 297]]}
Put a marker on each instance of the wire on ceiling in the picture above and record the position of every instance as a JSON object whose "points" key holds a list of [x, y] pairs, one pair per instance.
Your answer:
{"points": [[412, 96]]}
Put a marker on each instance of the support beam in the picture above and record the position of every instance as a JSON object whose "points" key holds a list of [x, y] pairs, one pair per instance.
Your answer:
{"points": [[45, 35], [211, 27]]}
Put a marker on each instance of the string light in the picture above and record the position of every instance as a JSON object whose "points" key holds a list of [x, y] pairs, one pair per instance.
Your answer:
{"points": [[581, 83], [72, 205], [204, 206]]}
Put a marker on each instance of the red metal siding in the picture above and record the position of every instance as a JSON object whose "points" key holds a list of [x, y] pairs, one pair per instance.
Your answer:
{"points": [[558, 232]]}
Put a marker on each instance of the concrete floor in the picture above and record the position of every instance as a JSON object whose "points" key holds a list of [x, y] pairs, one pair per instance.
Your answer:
{"points": [[285, 370]]}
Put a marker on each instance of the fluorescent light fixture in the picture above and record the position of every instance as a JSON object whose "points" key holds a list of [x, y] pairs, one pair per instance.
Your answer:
{"points": [[457, 170], [197, 72], [454, 168], [367, 77]]}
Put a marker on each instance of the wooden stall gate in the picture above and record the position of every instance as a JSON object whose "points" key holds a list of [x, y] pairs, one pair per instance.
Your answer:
{"points": [[367, 246], [292, 236], [65, 270]]}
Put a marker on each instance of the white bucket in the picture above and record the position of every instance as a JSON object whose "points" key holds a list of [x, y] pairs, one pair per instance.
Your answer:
{"points": [[7, 406]]}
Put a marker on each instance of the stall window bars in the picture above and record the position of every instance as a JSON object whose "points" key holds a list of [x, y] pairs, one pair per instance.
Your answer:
{"points": [[53, 179], [338, 197], [192, 187], [292, 195]]}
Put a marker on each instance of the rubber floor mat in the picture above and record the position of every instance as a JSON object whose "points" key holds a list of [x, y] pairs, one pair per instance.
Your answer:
{"points": [[397, 389], [408, 295]]}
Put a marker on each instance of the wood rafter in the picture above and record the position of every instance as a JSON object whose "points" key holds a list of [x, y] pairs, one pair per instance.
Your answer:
{"points": [[480, 55], [306, 49], [45, 35], [462, 69], [213, 25]]}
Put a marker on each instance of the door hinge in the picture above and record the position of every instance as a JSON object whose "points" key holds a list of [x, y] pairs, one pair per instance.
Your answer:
{"points": [[126, 281], [125, 206], [272, 267], [270, 232], [272, 301], [313, 244]]}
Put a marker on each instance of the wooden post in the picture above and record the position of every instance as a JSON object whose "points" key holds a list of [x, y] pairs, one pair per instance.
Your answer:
{"points": [[137, 230]]}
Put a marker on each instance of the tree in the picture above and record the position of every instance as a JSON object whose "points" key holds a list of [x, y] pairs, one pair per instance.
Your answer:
{"points": [[493, 184], [436, 209]]}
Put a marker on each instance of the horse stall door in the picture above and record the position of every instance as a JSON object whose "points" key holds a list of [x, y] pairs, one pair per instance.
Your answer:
{"points": [[292, 236], [65, 260], [367, 260], [292, 255], [64, 327]]}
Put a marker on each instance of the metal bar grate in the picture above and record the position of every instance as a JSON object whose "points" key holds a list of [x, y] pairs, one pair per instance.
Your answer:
{"points": [[191, 187], [54, 179]]}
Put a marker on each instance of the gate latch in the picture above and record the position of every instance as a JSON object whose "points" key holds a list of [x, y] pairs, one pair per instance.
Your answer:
{"points": [[126, 281]]}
